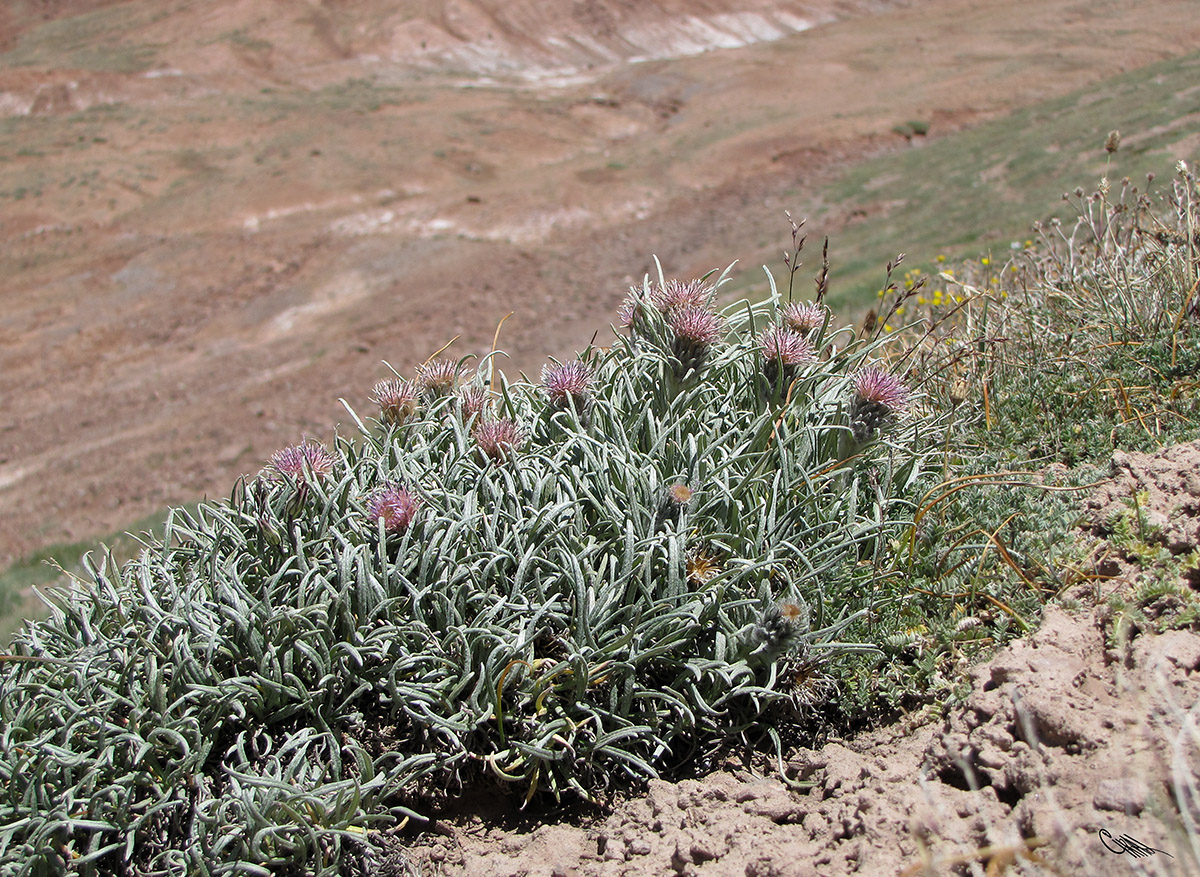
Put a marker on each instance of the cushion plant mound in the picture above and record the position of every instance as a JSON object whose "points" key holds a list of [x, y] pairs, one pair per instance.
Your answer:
{"points": [[560, 586]]}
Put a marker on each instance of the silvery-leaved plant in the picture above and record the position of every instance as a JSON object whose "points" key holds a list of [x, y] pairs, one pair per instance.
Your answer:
{"points": [[559, 586]]}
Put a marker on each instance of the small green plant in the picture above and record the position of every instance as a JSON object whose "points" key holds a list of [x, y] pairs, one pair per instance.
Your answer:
{"points": [[912, 128]]}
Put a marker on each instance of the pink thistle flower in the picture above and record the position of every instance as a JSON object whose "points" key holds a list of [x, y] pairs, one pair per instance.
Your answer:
{"points": [[679, 494], [879, 399], [673, 500], [695, 330], [397, 400], [439, 377], [873, 384], [395, 504], [568, 381], [695, 326], [785, 346], [803, 317], [295, 462], [497, 439], [474, 401], [673, 294], [783, 352]]}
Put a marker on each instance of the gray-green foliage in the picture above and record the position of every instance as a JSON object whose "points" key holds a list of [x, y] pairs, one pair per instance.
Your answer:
{"points": [[279, 675]]}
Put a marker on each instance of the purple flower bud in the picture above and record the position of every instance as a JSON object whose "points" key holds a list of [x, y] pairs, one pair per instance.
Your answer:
{"points": [[497, 439], [395, 504], [296, 462], [397, 400]]}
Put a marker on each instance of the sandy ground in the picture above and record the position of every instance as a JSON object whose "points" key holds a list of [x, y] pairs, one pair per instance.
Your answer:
{"points": [[1069, 733], [203, 255]]}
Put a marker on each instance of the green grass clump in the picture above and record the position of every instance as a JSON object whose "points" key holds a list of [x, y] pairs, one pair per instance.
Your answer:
{"points": [[1083, 342], [556, 586]]}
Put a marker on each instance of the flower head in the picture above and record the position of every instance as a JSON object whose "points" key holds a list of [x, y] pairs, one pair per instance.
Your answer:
{"points": [[474, 401], [395, 504], [679, 494], [876, 386], [783, 352], [673, 501], [397, 400], [296, 462], [779, 627], [695, 330], [629, 312], [696, 327], [803, 317], [785, 346], [439, 377], [879, 399], [673, 294], [497, 439], [568, 381]]}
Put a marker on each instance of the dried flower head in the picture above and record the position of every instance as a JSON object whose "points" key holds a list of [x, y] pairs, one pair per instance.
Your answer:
{"points": [[679, 494], [701, 567], [497, 439], [474, 401], [439, 377], [295, 462], [1112, 142], [879, 399], [673, 294], [803, 317], [395, 505], [397, 400], [568, 382], [780, 626], [695, 330]]}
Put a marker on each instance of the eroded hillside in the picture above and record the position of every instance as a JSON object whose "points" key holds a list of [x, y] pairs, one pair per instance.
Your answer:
{"points": [[217, 218]]}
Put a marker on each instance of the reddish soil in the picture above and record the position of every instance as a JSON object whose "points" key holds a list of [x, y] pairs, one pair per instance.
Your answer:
{"points": [[218, 218]]}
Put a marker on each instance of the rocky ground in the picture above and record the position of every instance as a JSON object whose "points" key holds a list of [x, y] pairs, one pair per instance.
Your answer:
{"points": [[1073, 744]]}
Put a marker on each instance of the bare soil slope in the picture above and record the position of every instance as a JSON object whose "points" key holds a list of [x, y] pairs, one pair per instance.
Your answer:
{"points": [[218, 218]]}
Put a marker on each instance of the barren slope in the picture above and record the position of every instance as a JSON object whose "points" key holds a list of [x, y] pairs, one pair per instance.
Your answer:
{"points": [[219, 217]]}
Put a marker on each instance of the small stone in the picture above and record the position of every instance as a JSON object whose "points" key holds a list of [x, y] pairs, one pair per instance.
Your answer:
{"points": [[815, 824], [991, 757], [1123, 796]]}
